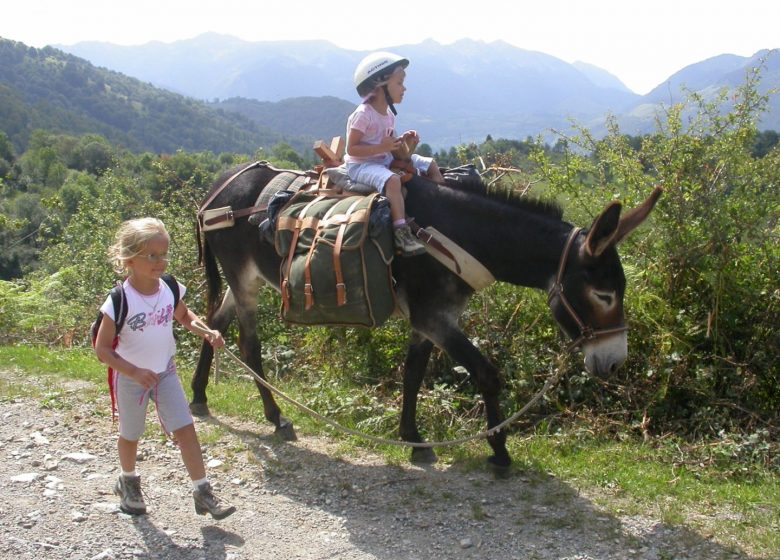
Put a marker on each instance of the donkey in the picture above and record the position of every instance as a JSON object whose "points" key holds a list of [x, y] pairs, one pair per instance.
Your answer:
{"points": [[523, 242]]}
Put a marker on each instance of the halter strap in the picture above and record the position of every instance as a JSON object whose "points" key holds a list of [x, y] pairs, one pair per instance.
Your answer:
{"points": [[556, 290]]}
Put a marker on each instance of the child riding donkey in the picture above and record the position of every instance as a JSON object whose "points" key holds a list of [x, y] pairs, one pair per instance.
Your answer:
{"points": [[379, 79]]}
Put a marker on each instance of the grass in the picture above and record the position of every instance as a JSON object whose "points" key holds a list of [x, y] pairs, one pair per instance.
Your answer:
{"points": [[739, 505], [634, 478]]}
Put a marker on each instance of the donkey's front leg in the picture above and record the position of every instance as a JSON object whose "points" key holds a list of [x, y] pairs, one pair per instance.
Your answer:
{"points": [[486, 377], [417, 357]]}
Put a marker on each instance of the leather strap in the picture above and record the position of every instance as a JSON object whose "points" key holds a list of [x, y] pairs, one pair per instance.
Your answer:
{"points": [[229, 180], [587, 332], [341, 288], [308, 289], [285, 288], [233, 214], [429, 239]]}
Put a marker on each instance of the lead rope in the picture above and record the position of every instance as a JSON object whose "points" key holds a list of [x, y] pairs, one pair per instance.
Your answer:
{"points": [[551, 380]]}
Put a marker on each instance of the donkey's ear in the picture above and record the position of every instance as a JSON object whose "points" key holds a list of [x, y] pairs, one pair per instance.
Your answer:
{"points": [[631, 220], [603, 231]]}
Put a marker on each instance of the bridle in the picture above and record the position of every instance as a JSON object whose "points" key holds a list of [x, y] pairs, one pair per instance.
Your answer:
{"points": [[587, 332]]}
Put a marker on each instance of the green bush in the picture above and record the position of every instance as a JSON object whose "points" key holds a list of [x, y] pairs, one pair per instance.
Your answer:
{"points": [[703, 299]]}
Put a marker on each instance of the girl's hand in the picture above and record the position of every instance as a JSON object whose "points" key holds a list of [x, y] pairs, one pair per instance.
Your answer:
{"points": [[216, 340], [214, 337], [146, 378], [390, 143]]}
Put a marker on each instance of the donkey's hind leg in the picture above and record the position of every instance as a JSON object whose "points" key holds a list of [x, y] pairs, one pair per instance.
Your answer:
{"points": [[220, 320], [249, 344], [417, 357]]}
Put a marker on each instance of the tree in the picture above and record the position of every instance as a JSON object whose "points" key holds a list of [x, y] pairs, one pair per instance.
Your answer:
{"points": [[6, 155], [285, 153]]}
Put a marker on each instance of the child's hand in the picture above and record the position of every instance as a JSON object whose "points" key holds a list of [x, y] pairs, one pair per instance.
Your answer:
{"points": [[390, 143], [216, 339], [411, 135], [146, 378]]}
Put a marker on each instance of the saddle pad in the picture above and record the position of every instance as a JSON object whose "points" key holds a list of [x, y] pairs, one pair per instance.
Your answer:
{"points": [[285, 180]]}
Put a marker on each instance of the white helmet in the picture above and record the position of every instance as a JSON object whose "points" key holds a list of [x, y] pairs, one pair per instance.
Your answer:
{"points": [[375, 69]]}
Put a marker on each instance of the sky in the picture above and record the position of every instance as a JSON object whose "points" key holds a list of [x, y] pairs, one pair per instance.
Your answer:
{"points": [[641, 44]]}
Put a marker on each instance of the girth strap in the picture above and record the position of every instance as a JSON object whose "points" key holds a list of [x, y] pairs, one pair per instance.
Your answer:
{"points": [[428, 239]]}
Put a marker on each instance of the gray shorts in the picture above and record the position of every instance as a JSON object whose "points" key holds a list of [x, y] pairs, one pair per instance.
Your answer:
{"points": [[132, 400], [376, 175]]}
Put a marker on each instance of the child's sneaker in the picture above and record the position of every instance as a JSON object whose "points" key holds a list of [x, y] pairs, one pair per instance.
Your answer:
{"points": [[407, 243], [131, 501], [207, 502]]}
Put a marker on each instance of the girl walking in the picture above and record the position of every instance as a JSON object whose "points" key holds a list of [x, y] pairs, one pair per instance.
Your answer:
{"points": [[142, 360]]}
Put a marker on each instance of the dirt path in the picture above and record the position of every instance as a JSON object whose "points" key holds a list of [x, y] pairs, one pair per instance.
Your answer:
{"points": [[300, 500]]}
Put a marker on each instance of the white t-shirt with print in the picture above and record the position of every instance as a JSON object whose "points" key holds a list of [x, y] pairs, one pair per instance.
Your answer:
{"points": [[146, 339], [374, 127]]}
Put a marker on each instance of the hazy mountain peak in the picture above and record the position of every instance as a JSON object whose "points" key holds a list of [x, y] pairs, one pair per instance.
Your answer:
{"points": [[600, 77], [458, 92]]}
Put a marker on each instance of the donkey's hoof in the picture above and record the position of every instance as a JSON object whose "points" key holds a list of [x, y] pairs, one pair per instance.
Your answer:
{"points": [[285, 430], [423, 456], [200, 409], [501, 470]]}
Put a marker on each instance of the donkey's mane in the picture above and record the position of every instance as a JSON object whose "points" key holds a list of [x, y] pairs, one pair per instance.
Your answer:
{"points": [[507, 197]]}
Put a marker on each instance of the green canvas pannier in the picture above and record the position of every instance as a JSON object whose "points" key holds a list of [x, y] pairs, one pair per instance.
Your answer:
{"points": [[335, 269]]}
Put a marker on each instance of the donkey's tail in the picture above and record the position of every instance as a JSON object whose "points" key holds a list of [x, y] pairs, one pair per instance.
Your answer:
{"points": [[213, 278]]}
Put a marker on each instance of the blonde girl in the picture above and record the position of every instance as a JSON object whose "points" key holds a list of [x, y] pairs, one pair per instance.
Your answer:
{"points": [[144, 365]]}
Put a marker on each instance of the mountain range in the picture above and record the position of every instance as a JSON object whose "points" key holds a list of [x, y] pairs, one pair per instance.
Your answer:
{"points": [[297, 91], [456, 93], [58, 92]]}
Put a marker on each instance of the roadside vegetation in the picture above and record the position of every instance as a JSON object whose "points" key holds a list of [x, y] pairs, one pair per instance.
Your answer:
{"points": [[687, 428], [710, 489]]}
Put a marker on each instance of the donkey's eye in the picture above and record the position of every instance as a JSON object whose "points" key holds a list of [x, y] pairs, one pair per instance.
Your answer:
{"points": [[603, 299]]}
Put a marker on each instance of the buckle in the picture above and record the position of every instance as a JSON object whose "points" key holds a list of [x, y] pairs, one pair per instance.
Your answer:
{"points": [[430, 235], [587, 333]]}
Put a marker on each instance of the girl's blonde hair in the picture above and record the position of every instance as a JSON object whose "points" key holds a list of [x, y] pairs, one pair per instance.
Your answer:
{"points": [[132, 237]]}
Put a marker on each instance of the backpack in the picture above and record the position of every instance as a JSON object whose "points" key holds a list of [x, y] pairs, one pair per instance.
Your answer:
{"points": [[119, 303]]}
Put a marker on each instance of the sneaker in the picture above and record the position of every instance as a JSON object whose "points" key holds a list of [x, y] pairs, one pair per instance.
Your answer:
{"points": [[207, 502], [131, 501], [407, 243]]}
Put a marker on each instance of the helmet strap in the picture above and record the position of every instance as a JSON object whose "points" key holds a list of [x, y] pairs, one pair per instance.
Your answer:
{"points": [[389, 100]]}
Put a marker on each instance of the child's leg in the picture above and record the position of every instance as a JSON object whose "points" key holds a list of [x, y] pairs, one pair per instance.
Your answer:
{"points": [[434, 173], [395, 196], [402, 234], [128, 451], [191, 453], [202, 493], [132, 400], [428, 167]]}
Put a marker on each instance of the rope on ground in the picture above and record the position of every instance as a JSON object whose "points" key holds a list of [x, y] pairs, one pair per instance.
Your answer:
{"points": [[551, 381]]}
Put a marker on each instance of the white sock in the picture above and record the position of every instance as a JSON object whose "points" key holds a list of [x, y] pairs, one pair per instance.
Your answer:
{"points": [[130, 474], [197, 483]]}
